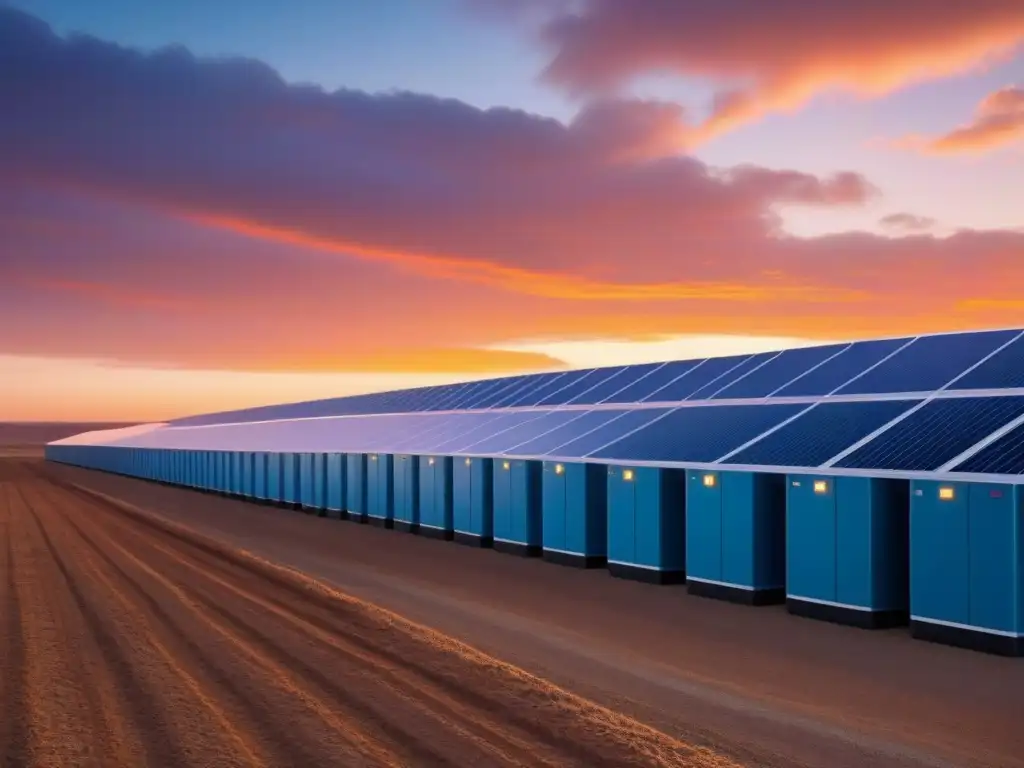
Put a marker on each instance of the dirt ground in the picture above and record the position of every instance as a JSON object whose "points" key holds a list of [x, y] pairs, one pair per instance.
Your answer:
{"points": [[239, 637], [128, 641]]}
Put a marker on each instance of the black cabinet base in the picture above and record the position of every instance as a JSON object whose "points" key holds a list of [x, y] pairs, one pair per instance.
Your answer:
{"points": [[473, 540], [574, 559], [851, 617], [738, 595], [406, 527], [381, 522], [517, 548], [646, 575], [971, 639]]}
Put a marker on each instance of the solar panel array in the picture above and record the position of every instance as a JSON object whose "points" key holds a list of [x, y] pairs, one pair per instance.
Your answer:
{"points": [[945, 402]]}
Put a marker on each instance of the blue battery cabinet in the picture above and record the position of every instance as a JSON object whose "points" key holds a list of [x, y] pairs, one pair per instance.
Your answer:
{"points": [[574, 512], [407, 492], [336, 467], [356, 486], [517, 506], [736, 536], [847, 550], [380, 490], [647, 524], [436, 503], [473, 501], [290, 480], [967, 568]]}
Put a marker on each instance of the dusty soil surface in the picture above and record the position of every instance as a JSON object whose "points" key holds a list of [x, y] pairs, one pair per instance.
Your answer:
{"points": [[756, 684], [128, 640]]}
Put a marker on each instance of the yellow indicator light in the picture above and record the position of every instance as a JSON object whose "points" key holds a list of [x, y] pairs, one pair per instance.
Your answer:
{"points": [[627, 474], [468, 461], [709, 481], [946, 494], [430, 461], [373, 458], [506, 465], [820, 486], [559, 469]]}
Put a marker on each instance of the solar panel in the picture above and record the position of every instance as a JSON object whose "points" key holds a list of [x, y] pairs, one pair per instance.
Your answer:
{"points": [[698, 433], [929, 363], [617, 379], [571, 391], [736, 372], [778, 372], [491, 396], [585, 422], [820, 433], [623, 424], [436, 427], [464, 429], [532, 425], [1005, 456], [1005, 369], [834, 373], [454, 392], [693, 379], [532, 384], [652, 376], [938, 432], [553, 394]]}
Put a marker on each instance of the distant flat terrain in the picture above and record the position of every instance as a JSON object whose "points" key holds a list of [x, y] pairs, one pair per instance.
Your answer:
{"points": [[28, 438], [126, 641]]}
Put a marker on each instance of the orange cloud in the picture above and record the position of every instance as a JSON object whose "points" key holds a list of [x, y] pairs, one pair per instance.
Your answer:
{"points": [[542, 284], [285, 228], [998, 122], [774, 56]]}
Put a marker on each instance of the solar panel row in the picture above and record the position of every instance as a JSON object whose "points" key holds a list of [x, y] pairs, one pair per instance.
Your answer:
{"points": [[901, 434], [981, 360]]}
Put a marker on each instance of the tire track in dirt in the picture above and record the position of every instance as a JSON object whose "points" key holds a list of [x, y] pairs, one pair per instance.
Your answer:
{"points": [[14, 732], [200, 654], [182, 691], [560, 747], [265, 650], [424, 757], [395, 672], [144, 713]]}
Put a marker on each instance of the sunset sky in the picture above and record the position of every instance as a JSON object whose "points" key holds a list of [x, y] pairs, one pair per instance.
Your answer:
{"points": [[209, 204]]}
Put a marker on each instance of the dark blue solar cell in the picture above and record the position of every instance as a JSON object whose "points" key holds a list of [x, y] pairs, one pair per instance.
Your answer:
{"points": [[477, 396], [448, 395], [935, 434], [572, 390], [623, 424], [928, 364], [834, 373], [584, 423], [1004, 370], [496, 395], [1005, 456], [531, 425], [778, 372], [698, 433], [652, 376], [711, 370], [533, 384], [554, 394], [421, 399], [820, 433], [737, 372], [616, 380]]}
